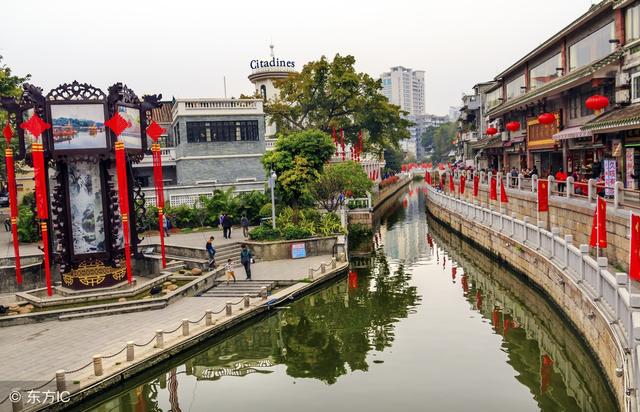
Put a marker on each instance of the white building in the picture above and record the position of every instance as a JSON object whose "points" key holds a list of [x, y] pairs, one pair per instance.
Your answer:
{"points": [[405, 87], [454, 113], [264, 73]]}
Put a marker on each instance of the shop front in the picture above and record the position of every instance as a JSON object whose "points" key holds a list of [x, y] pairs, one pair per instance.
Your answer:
{"points": [[542, 150], [515, 154], [583, 150]]}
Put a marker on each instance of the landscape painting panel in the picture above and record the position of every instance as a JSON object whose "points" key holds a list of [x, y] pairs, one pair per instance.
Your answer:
{"points": [[78, 126], [87, 219], [131, 136]]}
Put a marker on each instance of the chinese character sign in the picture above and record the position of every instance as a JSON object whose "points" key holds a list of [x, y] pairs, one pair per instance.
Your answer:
{"points": [[609, 176]]}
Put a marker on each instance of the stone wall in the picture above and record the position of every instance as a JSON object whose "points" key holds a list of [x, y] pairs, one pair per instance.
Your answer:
{"points": [[579, 309], [282, 249], [32, 274], [573, 216]]}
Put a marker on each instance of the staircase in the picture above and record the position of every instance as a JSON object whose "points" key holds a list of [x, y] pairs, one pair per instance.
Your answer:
{"points": [[239, 289]]}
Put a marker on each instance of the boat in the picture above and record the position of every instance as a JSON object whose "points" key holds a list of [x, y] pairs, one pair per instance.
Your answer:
{"points": [[93, 130], [65, 131]]}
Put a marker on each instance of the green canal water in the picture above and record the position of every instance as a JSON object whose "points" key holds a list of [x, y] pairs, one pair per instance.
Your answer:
{"points": [[424, 322]]}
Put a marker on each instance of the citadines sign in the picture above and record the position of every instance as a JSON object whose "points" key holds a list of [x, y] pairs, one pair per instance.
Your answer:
{"points": [[274, 62]]}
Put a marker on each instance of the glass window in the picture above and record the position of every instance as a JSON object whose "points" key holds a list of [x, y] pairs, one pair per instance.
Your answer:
{"points": [[593, 47], [515, 87], [632, 23], [635, 87], [227, 131], [545, 72], [493, 98]]}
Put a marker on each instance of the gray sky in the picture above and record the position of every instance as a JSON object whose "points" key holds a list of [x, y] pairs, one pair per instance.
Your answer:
{"points": [[190, 45]]}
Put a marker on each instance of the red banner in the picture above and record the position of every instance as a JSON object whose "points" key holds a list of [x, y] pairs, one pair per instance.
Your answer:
{"points": [[476, 185], [335, 139], [503, 193], [452, 187], [463, 183], [493, 190], [543, 195], [13, 210], [634, 248], [342, 143], [42, 205], [157, 174], [123, 194], [599, 227]]}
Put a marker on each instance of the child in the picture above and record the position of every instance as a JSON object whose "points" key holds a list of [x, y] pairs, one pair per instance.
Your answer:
{"points": [[230, 274]]}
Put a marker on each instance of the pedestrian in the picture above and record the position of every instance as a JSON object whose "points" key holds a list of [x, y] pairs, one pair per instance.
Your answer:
{"points": [[221, 218], [211, 251], [7, 225], [246, 258], [534, 171], [166, 223], [226, 226], [244, 222], [561, 177], [228, 269]]}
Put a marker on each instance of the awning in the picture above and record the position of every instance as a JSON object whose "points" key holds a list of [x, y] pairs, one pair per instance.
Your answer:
{"points": [[572, 133], [617, 119], [487, 143]]}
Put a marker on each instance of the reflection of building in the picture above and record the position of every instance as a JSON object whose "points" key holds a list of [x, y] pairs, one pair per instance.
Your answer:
{"points": [[263, 79]]}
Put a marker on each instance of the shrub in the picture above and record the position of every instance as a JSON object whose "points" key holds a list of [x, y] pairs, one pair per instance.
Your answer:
{"points": [[264, 232], [296, 232], [27, 226], [330, 224], [388, 181]]}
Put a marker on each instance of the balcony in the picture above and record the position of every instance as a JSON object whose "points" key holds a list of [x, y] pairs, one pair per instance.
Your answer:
{"points": [[168, 158], [469, 137], [270, 144], [211, 107]]}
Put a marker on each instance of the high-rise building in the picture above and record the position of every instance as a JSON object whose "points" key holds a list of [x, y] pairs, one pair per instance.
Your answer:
{"points": [[405, 87]]}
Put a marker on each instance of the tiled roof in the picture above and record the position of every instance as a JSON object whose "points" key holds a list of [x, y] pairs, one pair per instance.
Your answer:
{"points": [[626, 116], [487, 143], [542, 90], [163, 113]]}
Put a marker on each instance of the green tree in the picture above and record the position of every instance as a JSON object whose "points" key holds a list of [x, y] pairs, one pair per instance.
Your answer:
{"points": [[9, 87], [327, 94], [339, 178], [442, 141], [298, 159], [393, 159]]}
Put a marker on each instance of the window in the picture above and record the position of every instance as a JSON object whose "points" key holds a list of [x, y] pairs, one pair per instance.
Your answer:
{"points": [[632, 23], [593, 47], [227, 131], [577, 101], [493, 98], [635, 87], [545, 72], [515, 87]]}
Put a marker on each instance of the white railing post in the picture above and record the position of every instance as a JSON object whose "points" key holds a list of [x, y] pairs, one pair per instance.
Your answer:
{"points": [[568, 240], [591, 190], [618, 194], [520, 179], [525, 235], [602, 265], [555, 231], [569, 187], [534, 183], [584, 250], [551, 181]]}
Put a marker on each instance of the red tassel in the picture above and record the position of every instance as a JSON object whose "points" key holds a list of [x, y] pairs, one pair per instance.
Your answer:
{"points": [[359, 144], [157, 173], [13, 206], [123, 194], [42, 206], [335, 139], [342, 143]]}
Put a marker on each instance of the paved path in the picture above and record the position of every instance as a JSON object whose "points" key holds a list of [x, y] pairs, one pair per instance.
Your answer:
{"points": [[36, 351]]}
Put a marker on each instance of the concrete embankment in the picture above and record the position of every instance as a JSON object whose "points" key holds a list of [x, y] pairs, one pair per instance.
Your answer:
{"points": [[596, 302]]}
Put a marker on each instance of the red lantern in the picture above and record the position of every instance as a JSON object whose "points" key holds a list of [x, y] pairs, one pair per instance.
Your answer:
{"points": [[491, 131], [596, 102], [513, 126], [546, 118]]}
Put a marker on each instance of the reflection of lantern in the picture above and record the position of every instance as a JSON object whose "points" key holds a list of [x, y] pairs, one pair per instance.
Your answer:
{"points": [[491, 131], [546, 118], [596, 102], [513, 126], [353, 279]]}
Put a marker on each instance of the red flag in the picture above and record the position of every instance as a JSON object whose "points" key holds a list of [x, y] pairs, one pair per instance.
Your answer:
{"points": [[634, 248], [546, 372], [599, 228], [342, 143], [454, 271], [476, 185], [503, 193], [463, 182], [543, 196], [154, 131], [493, 190], [452, 187], [404, 168], [13, 200]]}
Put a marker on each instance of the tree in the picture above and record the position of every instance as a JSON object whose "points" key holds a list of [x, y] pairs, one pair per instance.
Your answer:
{"points": [[332, 94], [441, 140], [9, 87], [337, 179], [393, 159]]}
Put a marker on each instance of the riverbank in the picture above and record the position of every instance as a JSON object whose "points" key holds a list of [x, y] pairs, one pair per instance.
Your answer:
{"points": [[606, 336], [128, 344]]}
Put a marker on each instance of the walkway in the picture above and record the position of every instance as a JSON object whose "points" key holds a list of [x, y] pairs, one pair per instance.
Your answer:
{"points": [[71, 344]]}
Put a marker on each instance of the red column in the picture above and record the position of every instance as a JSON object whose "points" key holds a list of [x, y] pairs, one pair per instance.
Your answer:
{"points": [[619, 26]]}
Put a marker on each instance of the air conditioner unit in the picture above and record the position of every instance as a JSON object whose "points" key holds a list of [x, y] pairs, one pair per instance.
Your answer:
{"points": [[504, 136]]}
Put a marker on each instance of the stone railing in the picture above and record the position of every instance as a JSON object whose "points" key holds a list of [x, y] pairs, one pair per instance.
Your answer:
{"points": [[571, 206], [609, 292]]}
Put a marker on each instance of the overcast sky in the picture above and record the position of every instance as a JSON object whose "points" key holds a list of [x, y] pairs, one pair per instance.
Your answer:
{"points": [[184, 48]]}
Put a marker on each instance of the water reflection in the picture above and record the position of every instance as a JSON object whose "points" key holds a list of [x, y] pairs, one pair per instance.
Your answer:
{"points": [[422, 318]]}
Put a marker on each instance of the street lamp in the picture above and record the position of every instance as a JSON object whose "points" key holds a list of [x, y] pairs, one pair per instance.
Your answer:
{"points": [[272, 185]]}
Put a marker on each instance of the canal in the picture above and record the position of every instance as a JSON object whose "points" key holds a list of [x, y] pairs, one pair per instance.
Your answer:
{"points": [[424, 322]]}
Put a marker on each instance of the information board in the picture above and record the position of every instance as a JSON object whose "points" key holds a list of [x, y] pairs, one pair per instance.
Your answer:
{"points": [[298, 251]]}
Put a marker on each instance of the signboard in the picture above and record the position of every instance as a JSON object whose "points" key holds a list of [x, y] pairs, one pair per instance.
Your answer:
{"points": [[298, 251], [629, 167], [609, 176]]}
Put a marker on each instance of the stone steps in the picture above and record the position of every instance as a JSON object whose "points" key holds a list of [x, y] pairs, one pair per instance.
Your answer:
{"points": [[239, 289], [115, 311]]}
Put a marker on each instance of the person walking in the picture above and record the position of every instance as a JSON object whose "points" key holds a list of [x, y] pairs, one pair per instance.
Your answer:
{"points": [[244, 222], [246, 259], [561, 178], [166, 224], [228, 269], [226, 226], [211, 251]]}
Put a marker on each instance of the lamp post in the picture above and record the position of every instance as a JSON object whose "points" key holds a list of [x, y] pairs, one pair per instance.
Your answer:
{"points": [[272, 185]]}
